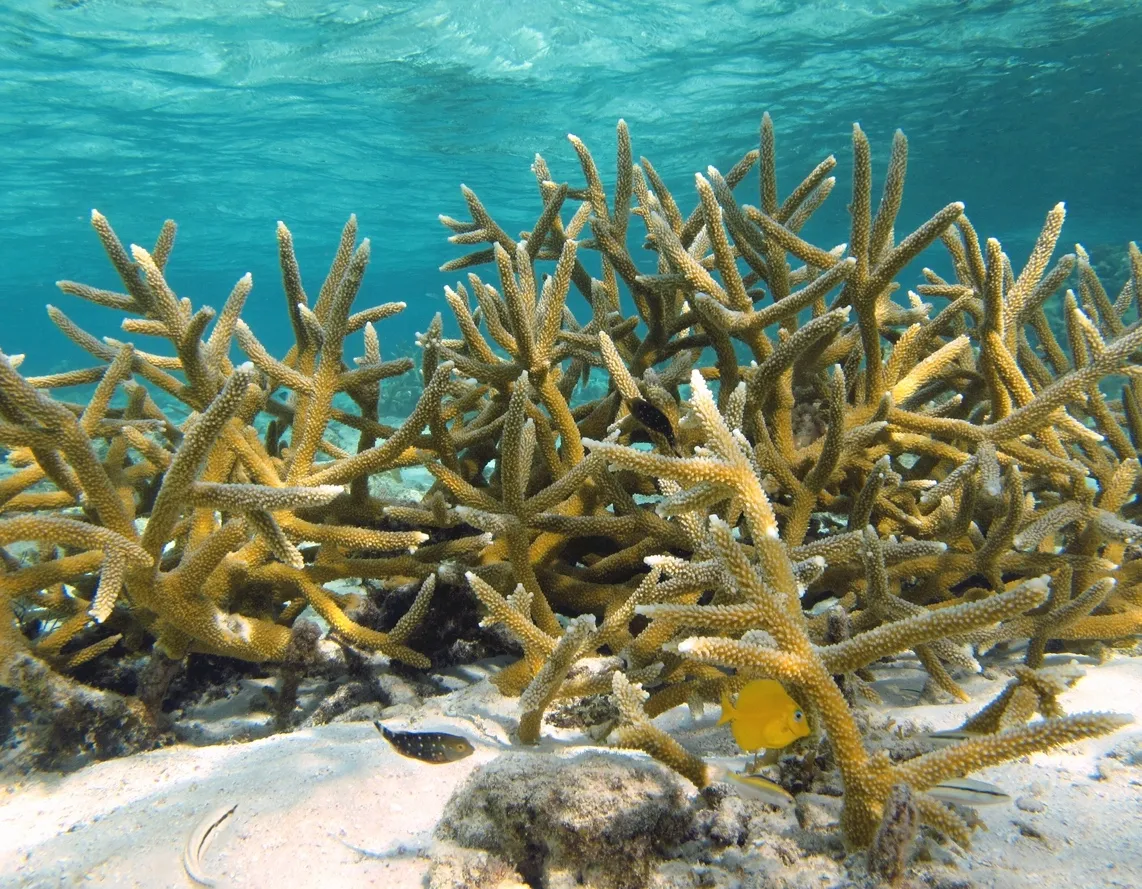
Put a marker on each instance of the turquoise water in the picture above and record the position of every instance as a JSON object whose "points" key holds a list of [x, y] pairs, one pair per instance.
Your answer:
{"points": [[229, 115]]}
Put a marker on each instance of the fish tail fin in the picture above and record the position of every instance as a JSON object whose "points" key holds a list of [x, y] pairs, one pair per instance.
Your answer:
{"points": [[727, 709], [385, 733]]}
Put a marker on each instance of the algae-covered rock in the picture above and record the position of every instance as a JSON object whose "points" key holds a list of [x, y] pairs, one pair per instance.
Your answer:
{"points": [[599, 819], [61, 725], [458, 868]]}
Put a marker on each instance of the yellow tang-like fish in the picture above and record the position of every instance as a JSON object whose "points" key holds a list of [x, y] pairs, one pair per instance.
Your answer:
{"points": [[764, 717]]}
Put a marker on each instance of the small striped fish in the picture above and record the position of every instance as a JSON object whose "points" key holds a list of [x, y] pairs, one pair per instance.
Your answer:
{"points": [[969, 792], [435, 747], [952, 736], [752, 787]]}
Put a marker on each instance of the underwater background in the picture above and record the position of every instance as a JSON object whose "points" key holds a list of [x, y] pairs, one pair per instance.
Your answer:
{"points": [[228, 115], [907, 529]]}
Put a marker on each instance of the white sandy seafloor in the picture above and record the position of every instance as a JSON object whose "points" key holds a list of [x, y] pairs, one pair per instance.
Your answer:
{"points": [[336, 806]]}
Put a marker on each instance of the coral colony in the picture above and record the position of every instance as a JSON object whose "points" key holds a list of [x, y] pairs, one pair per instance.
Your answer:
{"points": [[848, 477]]}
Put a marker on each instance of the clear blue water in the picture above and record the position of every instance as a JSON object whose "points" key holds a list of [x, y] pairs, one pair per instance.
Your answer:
{"points": [[228, 115]]}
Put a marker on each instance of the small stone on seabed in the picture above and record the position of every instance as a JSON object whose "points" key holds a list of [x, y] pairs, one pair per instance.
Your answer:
{"points": [[1106, 769]]}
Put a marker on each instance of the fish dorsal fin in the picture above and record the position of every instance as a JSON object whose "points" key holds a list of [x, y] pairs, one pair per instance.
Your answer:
{"points": [[728, 712]]}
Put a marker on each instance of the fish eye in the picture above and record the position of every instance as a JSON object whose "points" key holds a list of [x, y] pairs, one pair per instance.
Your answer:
{"points": [[798, 715]]}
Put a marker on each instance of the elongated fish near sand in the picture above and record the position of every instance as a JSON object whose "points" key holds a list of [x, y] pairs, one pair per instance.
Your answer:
{"points": [[951, 736], [195, 846], [969, 792], [753, 787], [434, 747]]}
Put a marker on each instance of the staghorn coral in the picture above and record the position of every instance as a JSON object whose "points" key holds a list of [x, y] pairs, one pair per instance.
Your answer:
{"points": [[949, 478], [204, 535], [644, 521]]}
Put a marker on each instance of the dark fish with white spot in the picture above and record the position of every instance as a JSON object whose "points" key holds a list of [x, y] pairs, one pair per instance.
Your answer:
{"points": [[652, 418], [434, 747]]}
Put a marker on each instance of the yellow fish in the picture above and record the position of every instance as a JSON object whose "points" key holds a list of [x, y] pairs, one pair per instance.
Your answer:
{"points": [[764, 717]]}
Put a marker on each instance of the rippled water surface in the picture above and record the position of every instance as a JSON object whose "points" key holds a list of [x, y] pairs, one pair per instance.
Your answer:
{"points": [[230, 115]]}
